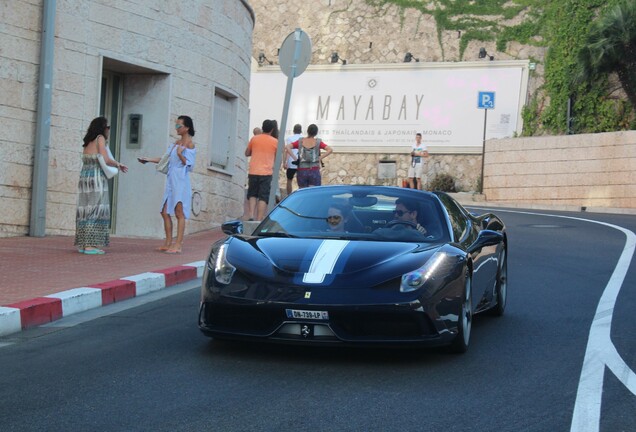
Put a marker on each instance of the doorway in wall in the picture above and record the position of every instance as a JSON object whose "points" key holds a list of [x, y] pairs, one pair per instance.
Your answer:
{"points": [[111, 107], [136, 101]]}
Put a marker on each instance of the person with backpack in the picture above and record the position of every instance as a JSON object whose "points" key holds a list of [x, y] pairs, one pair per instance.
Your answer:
{"points": [[309, 157], [289, 165]]}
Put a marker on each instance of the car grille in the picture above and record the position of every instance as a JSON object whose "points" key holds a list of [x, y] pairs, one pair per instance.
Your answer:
{"points": [[347, 324], [373, 325], [254, 320]]}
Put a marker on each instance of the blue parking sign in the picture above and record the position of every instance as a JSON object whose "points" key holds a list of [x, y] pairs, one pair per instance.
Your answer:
{"points": [[486, 100]]}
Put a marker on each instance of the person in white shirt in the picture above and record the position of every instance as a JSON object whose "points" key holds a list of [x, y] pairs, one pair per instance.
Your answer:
{"points": [[418, 153], [290, 168]]}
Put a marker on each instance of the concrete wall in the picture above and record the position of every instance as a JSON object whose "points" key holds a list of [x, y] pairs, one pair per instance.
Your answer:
{"points": [[19, 58], [590, 170], [191, 49]]}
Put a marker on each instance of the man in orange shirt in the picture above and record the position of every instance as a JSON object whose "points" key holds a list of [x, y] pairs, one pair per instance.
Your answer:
{"points": [[262, 152]]}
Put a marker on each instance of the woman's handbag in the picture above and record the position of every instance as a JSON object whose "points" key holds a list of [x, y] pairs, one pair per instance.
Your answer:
{"points": [[162, 165], [109, 171]]}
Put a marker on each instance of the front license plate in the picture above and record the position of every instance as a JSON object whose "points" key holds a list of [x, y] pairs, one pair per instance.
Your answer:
{"points": [[307, 314]]}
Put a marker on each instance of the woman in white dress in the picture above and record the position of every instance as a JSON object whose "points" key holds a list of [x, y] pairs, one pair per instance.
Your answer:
{"points": [[177, 196]]}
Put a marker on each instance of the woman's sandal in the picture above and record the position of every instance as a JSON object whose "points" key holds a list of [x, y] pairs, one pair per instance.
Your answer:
{"points": [[93, 252], [173, 251], [164, 248]]}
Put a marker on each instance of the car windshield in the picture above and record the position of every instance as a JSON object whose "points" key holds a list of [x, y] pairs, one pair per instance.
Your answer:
{"points": [[375, 213]]}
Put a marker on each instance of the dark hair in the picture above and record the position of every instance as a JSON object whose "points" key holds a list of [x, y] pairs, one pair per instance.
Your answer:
{"points": [[410, 204], [418, 134], [298, 129], [312, 130], [268, 126], [187, 122], [96, 128], [344, 209], [275, 131]]}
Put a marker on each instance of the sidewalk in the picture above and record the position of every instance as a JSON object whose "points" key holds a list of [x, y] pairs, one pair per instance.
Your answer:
{"points": [[44, 279]]}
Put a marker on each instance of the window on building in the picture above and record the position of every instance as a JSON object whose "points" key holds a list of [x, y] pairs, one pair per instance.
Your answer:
{"points": [[223, 129]]}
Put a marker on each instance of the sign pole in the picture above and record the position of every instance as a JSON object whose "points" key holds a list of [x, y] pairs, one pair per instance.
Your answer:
{"points": [[294, 57], [485, 100], [483, 152], [281, 142]]}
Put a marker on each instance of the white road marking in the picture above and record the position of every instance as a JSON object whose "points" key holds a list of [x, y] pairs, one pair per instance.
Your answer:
{"points": [[600, 352], [325, 260]]}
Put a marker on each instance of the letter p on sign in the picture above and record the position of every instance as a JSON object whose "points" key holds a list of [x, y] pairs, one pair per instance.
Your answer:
{"points": [[486, 100]]}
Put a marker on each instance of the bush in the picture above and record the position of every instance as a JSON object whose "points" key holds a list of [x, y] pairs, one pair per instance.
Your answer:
{"points": [[443, 182]]}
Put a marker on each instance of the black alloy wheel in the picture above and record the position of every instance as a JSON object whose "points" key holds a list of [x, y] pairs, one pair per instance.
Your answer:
{"points": [[465, 319], [501, 284]]}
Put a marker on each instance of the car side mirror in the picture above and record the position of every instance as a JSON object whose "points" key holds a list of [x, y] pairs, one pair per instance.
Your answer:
{"points": [[232, 227], [486, 238]]}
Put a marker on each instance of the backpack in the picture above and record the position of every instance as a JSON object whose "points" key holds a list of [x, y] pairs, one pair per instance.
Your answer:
{"points": [[307, 156]]}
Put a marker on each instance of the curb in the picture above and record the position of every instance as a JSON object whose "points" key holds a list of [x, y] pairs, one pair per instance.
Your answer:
{"points": [[41, 310]]}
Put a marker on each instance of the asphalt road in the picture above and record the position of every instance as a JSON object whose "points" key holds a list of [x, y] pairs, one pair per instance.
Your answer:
{"points": [[148, 368]]}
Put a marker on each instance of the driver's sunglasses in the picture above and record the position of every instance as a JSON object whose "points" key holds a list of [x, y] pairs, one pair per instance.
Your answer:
{"points": [[334, 218], [399, 213]]}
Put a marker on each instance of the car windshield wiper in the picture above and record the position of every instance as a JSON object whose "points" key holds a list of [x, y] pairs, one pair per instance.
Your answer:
{"points": [[300, 215], [275, 234], [340, 236]]}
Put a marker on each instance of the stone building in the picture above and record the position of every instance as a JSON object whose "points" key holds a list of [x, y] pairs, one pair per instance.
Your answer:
{"points": [[141, 64]]}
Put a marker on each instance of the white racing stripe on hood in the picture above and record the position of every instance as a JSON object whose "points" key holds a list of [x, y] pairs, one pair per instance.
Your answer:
{"points": [[325, 260]]}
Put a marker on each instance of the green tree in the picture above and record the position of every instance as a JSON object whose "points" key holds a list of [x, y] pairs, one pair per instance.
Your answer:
{"points": [[610, 47]]}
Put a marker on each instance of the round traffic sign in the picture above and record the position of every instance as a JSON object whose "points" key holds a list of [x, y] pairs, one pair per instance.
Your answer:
{"points": [[295, 53]]}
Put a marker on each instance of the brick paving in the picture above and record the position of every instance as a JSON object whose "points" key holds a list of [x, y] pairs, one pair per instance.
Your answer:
{"points": [[33, 267]]}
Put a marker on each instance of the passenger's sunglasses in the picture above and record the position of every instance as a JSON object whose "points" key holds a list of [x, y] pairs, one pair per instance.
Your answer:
{"points": [[399, 213], [334, 218]]}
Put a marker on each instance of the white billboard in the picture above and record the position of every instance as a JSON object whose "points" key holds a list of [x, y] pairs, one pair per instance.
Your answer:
{"points": [[380, 108]]}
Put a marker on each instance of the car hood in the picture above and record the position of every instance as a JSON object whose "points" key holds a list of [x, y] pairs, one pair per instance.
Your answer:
{"points": [[325, 261]]}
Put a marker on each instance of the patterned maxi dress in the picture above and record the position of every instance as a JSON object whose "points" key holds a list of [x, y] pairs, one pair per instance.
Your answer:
{"points": [[178, 187], [92, 223]]}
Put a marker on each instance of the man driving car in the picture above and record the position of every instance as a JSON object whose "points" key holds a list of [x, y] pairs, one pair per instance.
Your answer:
{"points": [[406, 211]]}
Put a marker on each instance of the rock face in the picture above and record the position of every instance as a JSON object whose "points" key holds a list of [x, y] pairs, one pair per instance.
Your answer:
{"points": [[365, 34]]}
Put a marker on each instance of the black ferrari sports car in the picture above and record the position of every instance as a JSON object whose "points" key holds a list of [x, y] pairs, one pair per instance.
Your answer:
{"points": [[357, 265]]}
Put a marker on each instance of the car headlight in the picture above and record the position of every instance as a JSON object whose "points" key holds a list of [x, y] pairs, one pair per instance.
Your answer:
{"points": [[437, 264], [223, 270]]}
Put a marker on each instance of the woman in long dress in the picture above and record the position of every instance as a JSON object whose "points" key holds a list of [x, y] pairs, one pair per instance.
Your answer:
{"points": [[92, 221], [177, 196]]}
